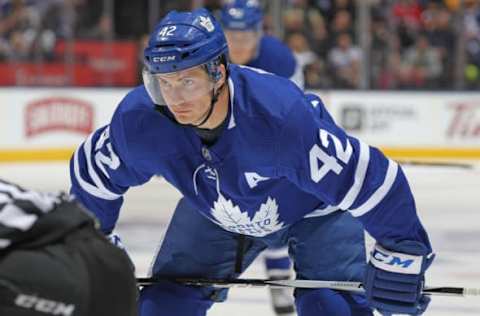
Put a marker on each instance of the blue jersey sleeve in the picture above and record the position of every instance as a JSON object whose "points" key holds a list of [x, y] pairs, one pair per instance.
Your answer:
{"points": [[102, 170], [347, 174], [277, 58]]}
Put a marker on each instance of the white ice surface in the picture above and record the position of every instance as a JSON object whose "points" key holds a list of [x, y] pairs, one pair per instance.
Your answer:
{"points": [[448, 201]]}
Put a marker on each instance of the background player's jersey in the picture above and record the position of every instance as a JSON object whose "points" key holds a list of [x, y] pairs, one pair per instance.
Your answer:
{"points": [[275, 57], [280, 159]]}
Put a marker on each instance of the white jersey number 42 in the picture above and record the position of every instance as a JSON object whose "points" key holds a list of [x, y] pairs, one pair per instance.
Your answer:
{"points": [[329, 163]]}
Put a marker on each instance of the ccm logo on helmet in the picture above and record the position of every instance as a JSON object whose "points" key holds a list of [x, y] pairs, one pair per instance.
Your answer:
{"points": [[163, 59], [44, 306]]}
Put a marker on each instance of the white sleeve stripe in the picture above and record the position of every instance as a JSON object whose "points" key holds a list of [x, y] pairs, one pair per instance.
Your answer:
{"points": [[4, 243], [380, 193], [322, 212], [43, 201], [360, 173], [12, 216], [87, 187], [87, 146]]}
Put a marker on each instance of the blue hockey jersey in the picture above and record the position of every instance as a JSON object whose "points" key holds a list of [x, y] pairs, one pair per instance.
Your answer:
{"points": [[279, 159], [275, 57]]}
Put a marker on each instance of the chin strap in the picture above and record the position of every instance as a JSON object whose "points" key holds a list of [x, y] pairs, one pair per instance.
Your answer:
{"points": [[215, 95]]}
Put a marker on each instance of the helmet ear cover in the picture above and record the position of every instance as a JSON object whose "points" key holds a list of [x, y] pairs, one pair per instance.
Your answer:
{"points": [[213, 67]]}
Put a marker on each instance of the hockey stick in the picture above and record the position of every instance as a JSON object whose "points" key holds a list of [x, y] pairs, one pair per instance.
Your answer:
{"points": [[435, 164], [305, 284]]}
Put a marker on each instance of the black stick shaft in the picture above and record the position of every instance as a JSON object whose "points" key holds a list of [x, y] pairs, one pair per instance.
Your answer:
{"points": [[338, 285]]}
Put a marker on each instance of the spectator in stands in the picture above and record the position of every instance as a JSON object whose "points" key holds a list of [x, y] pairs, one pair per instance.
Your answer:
{"points": [[315, 75], [18, 26], [344, 60], [342, 23], [472, 33], [379, 52], [329, 8], [407, 20], [439, 31], [88, 14], [421, 66], [318, 36]]}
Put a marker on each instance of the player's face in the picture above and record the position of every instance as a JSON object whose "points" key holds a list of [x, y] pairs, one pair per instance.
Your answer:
{"points": [[187, 94], [242, 45]]}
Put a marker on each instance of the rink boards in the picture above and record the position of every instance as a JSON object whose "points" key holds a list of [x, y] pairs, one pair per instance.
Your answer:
{"points": [[46, 124]]}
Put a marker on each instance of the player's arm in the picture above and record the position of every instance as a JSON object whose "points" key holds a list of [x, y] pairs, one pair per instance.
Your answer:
{"points": [[343, 171], [347, 173], [102, 169], [285, 63]]}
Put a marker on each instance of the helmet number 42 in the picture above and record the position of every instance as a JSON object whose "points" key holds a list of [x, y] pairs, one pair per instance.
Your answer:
{"points": [[328, 162], [167, 31]]}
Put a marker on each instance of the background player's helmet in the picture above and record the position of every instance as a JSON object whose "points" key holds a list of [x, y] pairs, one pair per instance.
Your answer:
{"points": [[242, 15], [183, 40]]}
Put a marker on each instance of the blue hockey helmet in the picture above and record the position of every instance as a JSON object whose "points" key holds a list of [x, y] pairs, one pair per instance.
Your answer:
{"points": [[183, 40], [242, 15]]}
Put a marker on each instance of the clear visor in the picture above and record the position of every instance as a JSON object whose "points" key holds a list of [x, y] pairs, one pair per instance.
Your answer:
{"points": [[177, 88]]}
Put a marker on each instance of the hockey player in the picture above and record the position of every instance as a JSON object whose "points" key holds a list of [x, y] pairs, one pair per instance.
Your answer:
{"points": [[53, 261], [242, 21], [256, 160]]}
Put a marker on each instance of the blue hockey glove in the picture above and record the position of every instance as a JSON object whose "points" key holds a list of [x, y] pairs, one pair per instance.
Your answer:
{"points": [[394, 280]]}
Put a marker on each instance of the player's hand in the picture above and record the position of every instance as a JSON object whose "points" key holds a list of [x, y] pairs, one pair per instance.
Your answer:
{"points": [[394, 280], [116, 240]]}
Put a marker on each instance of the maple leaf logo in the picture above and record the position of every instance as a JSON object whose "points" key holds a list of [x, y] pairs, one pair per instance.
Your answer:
{"points": [[206, 22], [231, 217]]}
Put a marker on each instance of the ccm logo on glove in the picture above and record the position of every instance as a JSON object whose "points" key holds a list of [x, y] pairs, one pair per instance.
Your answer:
{"points": [[395, 261]]}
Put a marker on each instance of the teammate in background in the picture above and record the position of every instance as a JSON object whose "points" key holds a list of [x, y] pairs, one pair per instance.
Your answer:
{"points": [[242, 21], [53, 261], [259, 164]]}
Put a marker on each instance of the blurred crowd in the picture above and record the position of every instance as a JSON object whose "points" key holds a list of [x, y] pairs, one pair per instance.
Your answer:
{"points": [[29, 29], [411, 44]]}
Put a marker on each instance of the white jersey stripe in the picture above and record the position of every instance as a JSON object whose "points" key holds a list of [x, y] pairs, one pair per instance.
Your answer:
{"points": [[360, 172], [380, 193], [322, 212], [87, 146], [87, 187], [12, 216]]}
